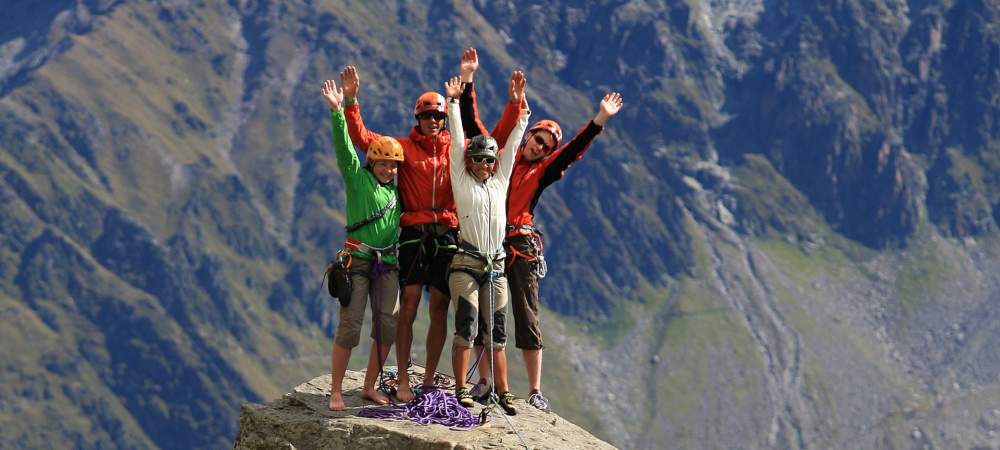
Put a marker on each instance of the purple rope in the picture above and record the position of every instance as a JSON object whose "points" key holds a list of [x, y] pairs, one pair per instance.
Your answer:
{"points": [[431, 406]]}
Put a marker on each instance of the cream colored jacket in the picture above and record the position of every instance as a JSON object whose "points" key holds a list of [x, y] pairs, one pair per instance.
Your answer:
{"points": [[481, 205]]}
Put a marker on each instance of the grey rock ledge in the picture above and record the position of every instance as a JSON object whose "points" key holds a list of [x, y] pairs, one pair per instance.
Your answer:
{"points": [[300, 420]]}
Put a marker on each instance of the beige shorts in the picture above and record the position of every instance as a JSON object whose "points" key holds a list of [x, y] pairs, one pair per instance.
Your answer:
{"points": [[470, 297], [384, 292]]}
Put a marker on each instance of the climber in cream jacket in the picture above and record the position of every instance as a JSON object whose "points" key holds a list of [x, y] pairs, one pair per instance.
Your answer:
{"points": [[479, 181]]}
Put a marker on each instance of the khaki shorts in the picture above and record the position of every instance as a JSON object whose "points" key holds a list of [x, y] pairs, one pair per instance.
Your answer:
{"points": [[384, 292]]}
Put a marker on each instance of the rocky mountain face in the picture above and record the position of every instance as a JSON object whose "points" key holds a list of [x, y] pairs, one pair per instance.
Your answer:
{"points": [[786, 239]]}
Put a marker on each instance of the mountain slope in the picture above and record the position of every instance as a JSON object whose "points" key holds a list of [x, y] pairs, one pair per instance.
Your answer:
{"points": [[788, 237]]}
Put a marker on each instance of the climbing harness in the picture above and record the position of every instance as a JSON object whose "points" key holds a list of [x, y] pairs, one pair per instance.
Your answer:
{"points": [[492, 264], [536, 243], [339, 269], [433, 238], [376, 253]]}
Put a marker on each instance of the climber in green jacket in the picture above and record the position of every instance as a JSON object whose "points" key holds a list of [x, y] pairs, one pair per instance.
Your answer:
{"points": [[373, 214]]}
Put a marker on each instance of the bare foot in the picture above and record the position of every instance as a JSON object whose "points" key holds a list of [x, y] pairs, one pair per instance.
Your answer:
{"points": [[374, 395], [404, 394], [336, 402]]}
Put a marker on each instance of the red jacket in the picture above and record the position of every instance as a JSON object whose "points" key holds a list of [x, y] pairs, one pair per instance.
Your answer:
{"points": [[529, 178], [424, 180]]}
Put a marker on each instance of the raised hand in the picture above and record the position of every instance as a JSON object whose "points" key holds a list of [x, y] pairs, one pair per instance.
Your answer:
{"points": [[516, 90], [333, 95], [610, 105], [453, 87], [351, 82], [469, 65]]}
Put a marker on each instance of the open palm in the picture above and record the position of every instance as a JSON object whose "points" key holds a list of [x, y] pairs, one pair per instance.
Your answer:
{"points": [[469, 65], [611, 104], [453, 87], [333, 95], [351, 81], [516, 90]]}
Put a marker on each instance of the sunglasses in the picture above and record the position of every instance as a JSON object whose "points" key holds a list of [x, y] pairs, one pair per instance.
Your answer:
{"points": [[541, 142], [431, 116], [483, 159]]}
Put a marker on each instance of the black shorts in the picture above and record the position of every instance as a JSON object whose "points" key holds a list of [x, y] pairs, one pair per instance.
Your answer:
{"points": [[424, 254]]}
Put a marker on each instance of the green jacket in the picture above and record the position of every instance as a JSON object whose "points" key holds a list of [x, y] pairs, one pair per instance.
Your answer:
{"points": [[365, 195]]}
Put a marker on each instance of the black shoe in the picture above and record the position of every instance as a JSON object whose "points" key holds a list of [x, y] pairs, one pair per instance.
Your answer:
{"points": [[464, 397], [481, 392], [507, 403]]}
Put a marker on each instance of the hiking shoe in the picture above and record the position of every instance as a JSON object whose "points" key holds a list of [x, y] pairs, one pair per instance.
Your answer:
{"points": [[481, 391], [464, 397], [537, 400], [507, 403]]}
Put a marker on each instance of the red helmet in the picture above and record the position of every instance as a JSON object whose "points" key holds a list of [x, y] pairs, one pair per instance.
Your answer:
{"points": [[429, 101], [551, 126]]}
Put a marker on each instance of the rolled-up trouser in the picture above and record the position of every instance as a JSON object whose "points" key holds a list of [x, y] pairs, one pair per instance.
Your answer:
{"points": [[384, 293], [470, 297], [522, 279]]}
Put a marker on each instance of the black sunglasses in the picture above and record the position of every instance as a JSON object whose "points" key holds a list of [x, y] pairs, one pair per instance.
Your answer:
{"points": [[541, 142], [483, 159], [431, 115]]}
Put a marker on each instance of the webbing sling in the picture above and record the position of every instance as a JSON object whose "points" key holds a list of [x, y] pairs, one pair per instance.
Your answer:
{"points": [[376, 216]]}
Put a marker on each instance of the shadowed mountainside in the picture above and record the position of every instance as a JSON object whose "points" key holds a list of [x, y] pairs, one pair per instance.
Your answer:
{"points": [[788, 237]]}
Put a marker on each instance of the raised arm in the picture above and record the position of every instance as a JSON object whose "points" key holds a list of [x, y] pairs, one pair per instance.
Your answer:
{"points": [[507, 157], [452, 89], [469, 65], [561, 159], [468, 106], [360, 134], [512, 111], [610, 105], [470, 112], [347, 160]]}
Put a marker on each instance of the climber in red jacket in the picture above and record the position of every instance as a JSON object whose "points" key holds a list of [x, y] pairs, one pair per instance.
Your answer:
{"points": [[429, 225], [540, 162]]}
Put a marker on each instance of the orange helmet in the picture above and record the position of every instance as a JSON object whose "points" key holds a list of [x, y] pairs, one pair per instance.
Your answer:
{"points": [[429, 101], [385, 148], [552, 127]]}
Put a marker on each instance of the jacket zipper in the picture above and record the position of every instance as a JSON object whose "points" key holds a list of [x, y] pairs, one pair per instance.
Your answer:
{"points": [[489, 217], [434, 183]]}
